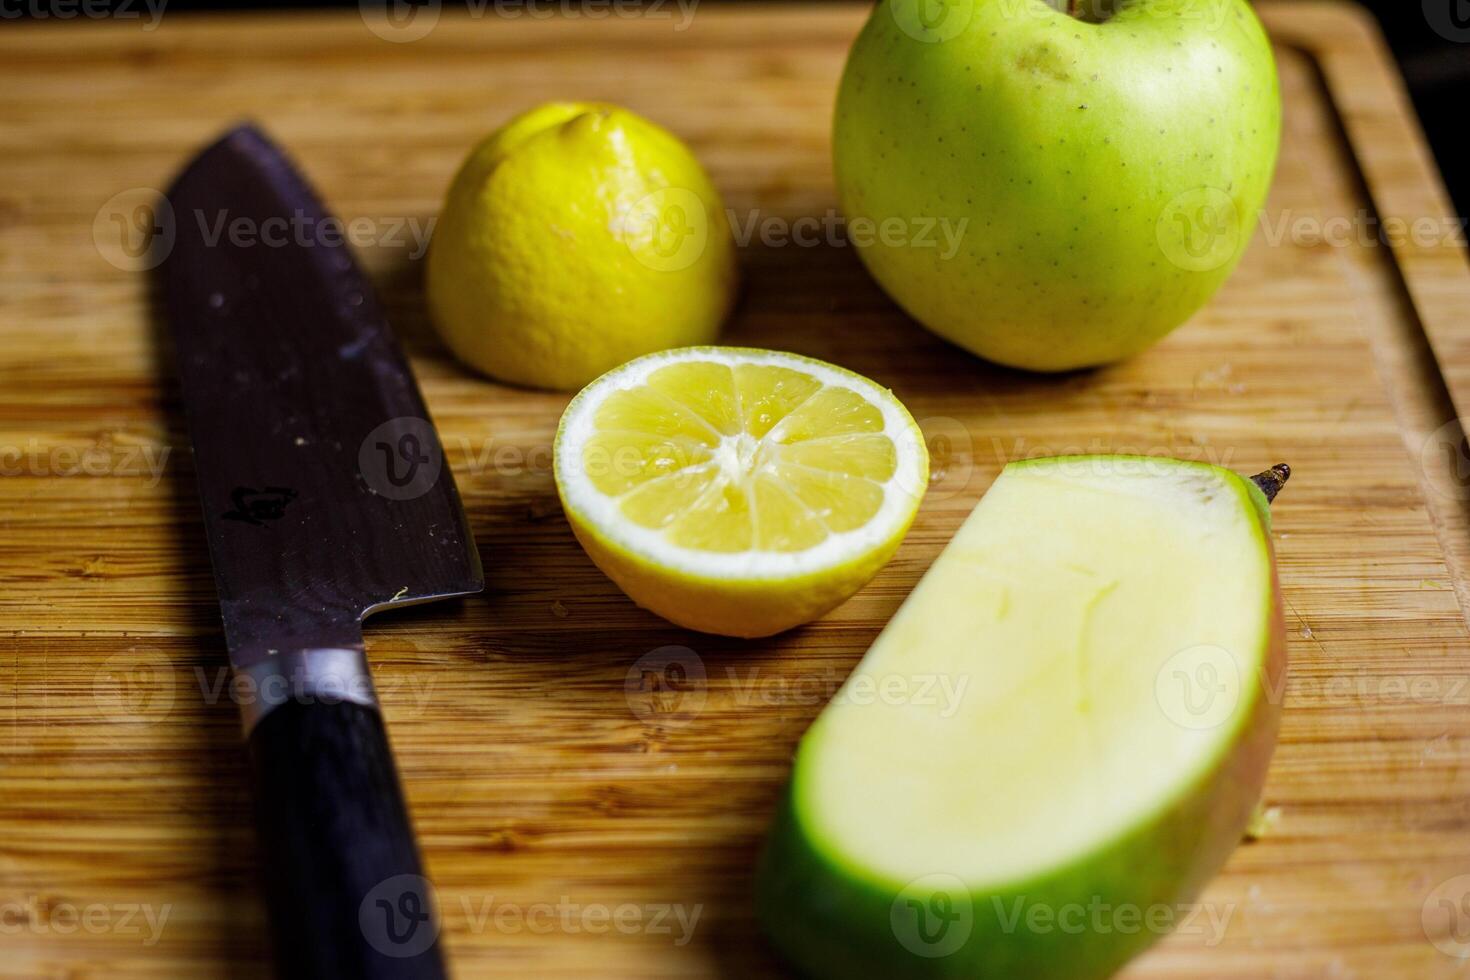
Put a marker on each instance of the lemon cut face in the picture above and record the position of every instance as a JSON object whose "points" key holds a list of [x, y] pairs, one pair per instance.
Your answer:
{"points": [[743, 467]]}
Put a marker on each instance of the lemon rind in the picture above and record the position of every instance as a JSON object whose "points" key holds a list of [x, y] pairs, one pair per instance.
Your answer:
{"points": [[901, 492]]}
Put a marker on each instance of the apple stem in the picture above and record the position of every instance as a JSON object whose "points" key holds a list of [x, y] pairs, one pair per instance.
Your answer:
{"points": [[1272, 480], [1087, 11]]}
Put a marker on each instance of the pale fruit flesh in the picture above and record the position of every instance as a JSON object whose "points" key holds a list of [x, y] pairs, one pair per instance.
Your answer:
{"points": [[1056, 761]]}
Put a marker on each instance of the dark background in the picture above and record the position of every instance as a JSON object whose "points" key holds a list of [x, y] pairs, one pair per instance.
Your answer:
{"points": [[1430, 39]]}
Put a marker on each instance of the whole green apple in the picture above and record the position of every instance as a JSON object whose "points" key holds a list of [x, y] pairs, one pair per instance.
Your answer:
{"points": [[1104, 167]]}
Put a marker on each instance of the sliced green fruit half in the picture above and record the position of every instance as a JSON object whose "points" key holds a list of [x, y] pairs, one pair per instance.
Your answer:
{"points": [[1054, 744]]}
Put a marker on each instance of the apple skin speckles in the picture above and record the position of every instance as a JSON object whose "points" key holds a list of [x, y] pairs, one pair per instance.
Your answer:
{"points": [[1141, 148]]}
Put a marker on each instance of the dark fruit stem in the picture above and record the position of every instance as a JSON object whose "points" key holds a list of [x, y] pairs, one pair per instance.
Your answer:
{"points": [[1272, 480], [1088, 11]]}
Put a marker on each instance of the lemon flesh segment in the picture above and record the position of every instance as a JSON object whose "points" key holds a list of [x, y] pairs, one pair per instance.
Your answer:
{"points": [[793, 459], [748, 466]]}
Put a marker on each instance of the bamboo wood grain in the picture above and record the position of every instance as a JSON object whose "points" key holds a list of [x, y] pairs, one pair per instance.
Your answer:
{"points": [[536, 779]]}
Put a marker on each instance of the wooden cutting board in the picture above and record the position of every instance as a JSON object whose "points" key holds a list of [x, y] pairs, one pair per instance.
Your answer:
{"points": [[576, 820]]}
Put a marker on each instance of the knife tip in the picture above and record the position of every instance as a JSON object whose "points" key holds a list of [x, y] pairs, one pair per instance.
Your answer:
{"points": [[245, 137]]}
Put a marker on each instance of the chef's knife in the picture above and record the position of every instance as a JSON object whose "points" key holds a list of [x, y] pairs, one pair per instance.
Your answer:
{"points": [[326, 499]]}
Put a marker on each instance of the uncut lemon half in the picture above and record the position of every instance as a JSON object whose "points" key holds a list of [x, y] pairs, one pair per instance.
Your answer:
{"points": [[738, 491]]}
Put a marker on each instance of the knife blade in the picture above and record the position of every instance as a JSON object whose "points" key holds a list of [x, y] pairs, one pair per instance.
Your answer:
{"points": [[326, 499]]}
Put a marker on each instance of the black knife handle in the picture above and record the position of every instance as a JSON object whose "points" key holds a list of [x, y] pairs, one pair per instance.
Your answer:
{"points": [[348, 897]]}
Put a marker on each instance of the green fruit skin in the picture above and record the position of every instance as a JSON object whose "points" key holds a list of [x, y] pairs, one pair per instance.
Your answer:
{"points": [[1108, 175], [834, 921]]}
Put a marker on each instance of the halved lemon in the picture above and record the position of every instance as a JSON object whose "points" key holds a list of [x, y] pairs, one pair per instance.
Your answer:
{"points": [[738, 491]]}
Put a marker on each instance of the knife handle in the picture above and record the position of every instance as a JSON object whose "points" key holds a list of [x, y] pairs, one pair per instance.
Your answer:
{"points": [[348, 897]]}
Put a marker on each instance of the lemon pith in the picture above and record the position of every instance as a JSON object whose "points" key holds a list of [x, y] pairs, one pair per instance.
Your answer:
{"points": [[738, 491]]}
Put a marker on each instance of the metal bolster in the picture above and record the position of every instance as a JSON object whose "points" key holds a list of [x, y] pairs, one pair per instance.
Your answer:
{"points": [[326, 675]]}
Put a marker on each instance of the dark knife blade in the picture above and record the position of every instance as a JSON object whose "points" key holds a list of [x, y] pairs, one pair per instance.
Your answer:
{"points": [[324, 487], [326, 498]]}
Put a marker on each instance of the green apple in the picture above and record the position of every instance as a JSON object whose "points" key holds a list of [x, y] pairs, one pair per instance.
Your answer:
{"points": [[1057, 740], [1106, 170]]}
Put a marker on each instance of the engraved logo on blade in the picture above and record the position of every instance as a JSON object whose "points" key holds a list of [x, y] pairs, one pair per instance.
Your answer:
{"points": [[252, 506]]}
